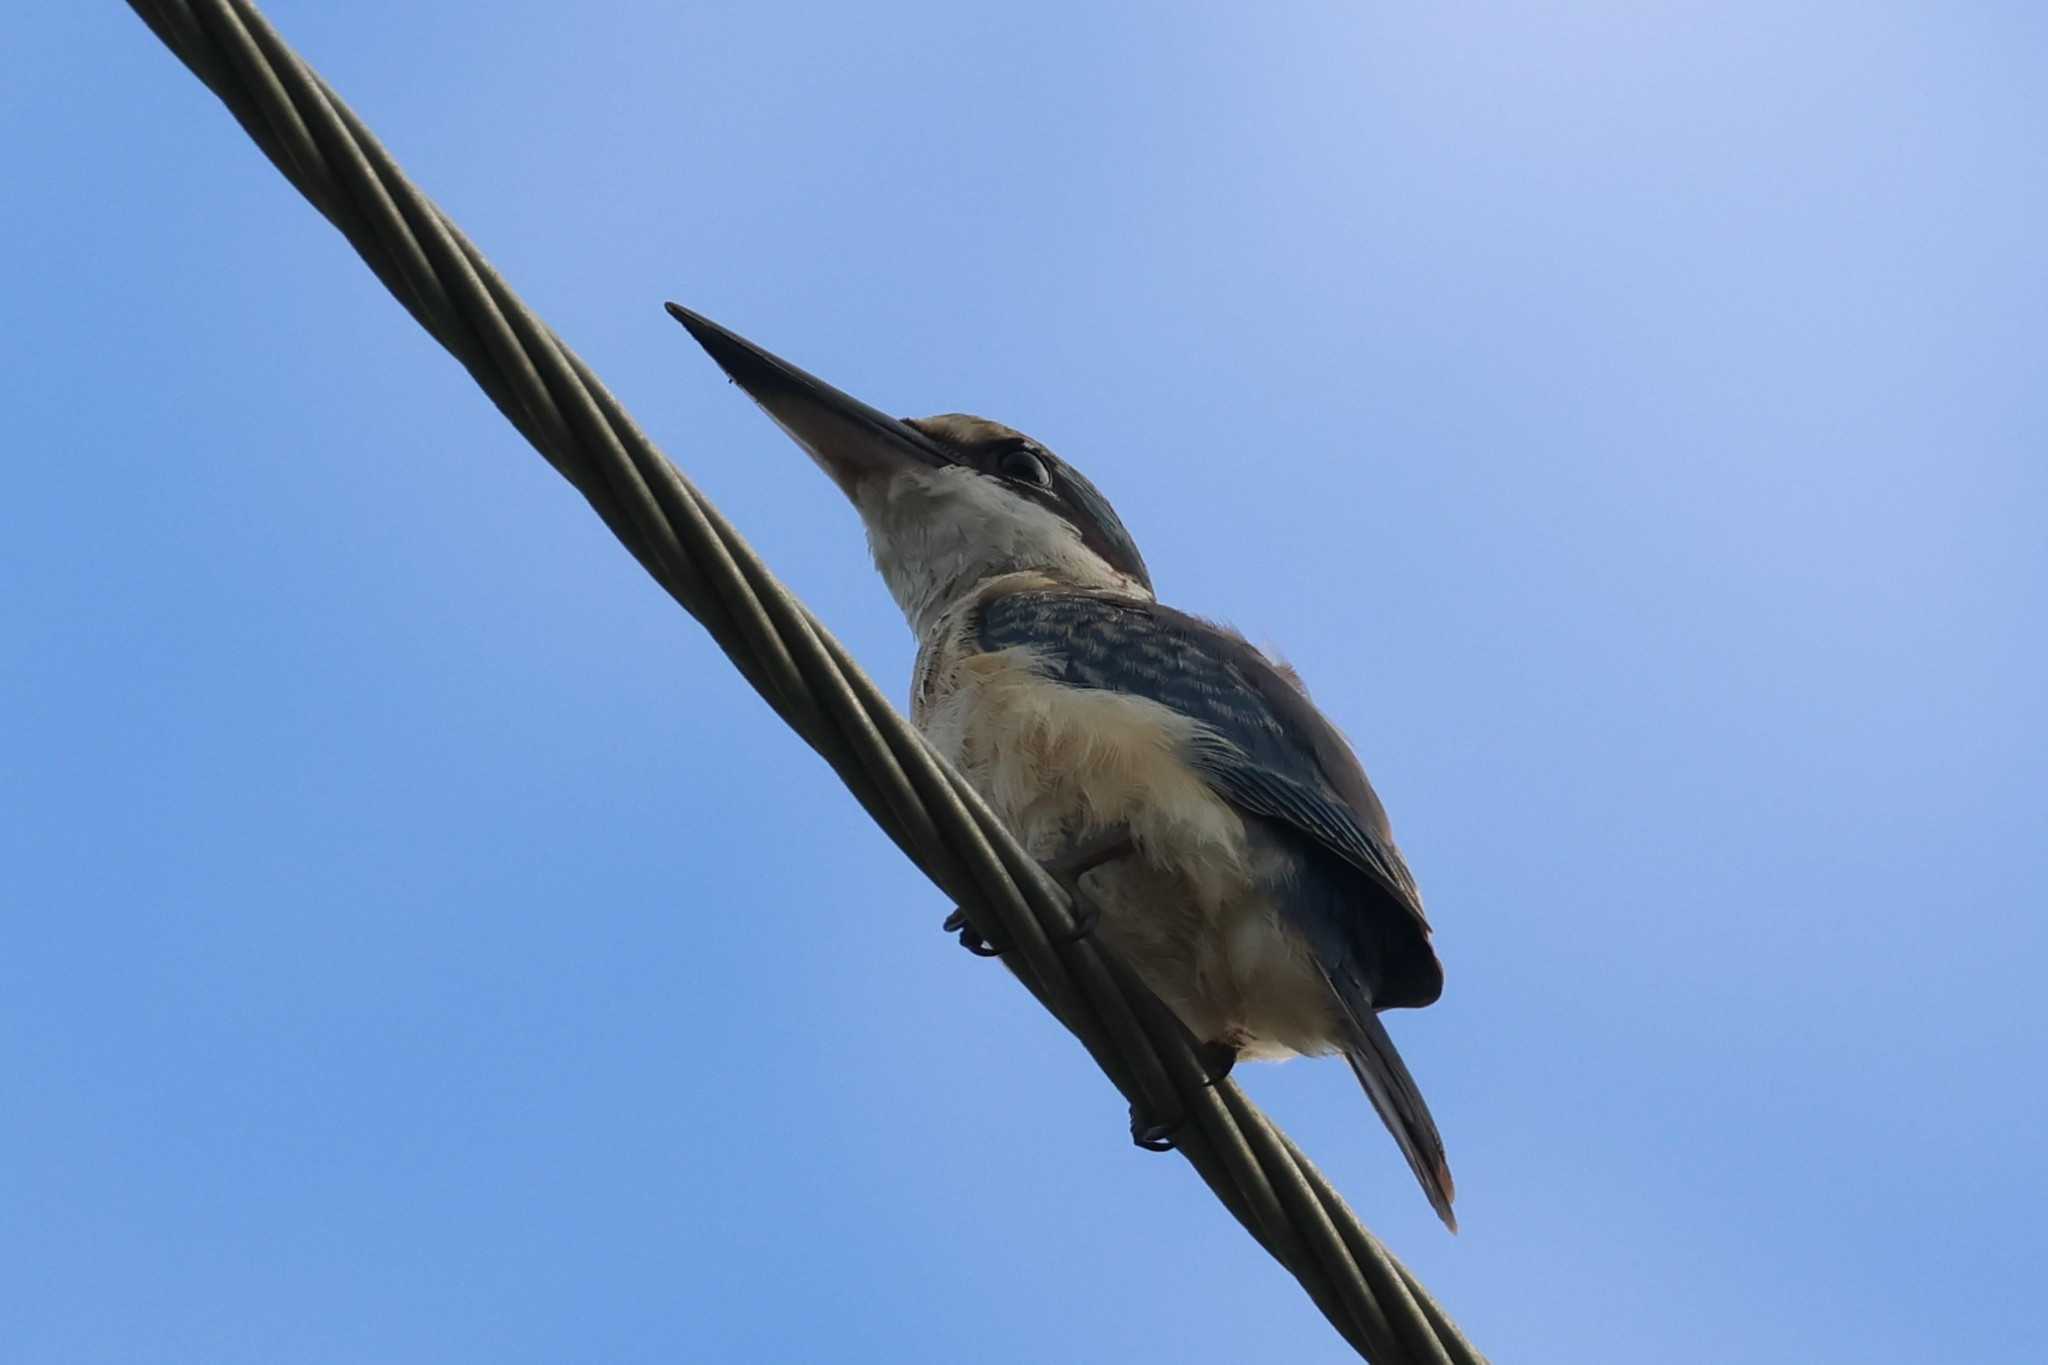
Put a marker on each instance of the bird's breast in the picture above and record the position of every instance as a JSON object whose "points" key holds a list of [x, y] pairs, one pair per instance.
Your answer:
{"points": [[1061, 763]]}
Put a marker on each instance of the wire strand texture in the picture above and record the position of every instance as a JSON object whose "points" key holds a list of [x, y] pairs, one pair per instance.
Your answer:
{"points": [[803, 673]]}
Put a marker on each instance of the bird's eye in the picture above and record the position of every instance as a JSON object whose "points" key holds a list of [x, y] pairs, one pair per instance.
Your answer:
{"points": [[1022, 465]]}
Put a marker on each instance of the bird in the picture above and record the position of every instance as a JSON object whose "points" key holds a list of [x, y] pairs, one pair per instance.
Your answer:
{"points": [[1221, 831]]}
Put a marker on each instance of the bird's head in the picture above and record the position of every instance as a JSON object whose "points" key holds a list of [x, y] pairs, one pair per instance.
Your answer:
{"points": [[950, 501]]}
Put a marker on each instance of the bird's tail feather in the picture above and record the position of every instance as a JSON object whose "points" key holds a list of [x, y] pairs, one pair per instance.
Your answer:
{"points": [[1384, 1075]]}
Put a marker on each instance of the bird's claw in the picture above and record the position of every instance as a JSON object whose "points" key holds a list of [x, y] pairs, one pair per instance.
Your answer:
{"points": [[1217, 1059], [1086, 916], [971, 940], [1151, 1135], [1067, 870]]}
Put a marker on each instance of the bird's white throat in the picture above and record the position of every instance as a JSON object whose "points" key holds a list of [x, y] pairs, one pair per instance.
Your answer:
{"points": [[937, 534]]}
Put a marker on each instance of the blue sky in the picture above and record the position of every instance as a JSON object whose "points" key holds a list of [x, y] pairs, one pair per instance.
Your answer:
{"points": [[420, 946]]}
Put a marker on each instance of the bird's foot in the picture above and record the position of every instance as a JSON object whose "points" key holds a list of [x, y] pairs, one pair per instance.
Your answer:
{"points": [[1217, 1059], [1077, 862], [969, 939], [1152, 1135], [1067, 869]]}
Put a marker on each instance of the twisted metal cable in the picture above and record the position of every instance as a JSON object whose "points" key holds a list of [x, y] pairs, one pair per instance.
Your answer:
{"points": [[575, 423]]}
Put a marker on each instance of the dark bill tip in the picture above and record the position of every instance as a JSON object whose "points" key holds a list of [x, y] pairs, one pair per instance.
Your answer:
{"points": [[848, 439], [727, 348]]}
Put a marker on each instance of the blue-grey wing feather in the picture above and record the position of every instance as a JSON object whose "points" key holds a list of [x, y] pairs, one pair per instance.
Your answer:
{"points": [[1314, 812]]}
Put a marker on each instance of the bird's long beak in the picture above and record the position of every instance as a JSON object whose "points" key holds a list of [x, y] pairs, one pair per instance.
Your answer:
{"points": [[849, 440]]}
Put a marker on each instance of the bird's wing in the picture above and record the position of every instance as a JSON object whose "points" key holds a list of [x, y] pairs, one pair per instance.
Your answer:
{"points": [[1264, 747]]}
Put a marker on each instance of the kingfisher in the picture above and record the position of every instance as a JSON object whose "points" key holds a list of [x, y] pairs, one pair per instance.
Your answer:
{"points": [[1216, 828]]}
